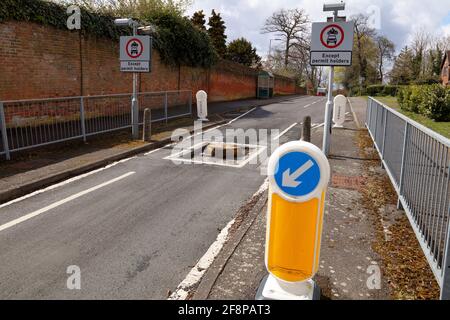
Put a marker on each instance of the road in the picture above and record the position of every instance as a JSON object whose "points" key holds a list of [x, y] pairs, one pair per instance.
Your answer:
{"points": [[136, 228]]}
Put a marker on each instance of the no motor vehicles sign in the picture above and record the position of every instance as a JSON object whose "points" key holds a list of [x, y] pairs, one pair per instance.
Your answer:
{"points": [[332, 44], [135, 54]]}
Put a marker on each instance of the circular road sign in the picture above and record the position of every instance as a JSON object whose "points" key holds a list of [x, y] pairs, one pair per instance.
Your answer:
{"points": [[134, 48], [332, 36], [298, 171]]}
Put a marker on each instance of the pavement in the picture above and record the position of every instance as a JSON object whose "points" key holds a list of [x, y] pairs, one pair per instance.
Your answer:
{"points": [[347, 260], [142, 227]]}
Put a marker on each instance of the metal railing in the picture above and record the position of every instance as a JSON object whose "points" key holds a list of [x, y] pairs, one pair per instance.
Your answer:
{"points": [[417, 161], [26, 124]]}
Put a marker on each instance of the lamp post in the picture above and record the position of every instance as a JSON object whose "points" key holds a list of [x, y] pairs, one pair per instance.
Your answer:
{"points": [[335, 8], [128, 22], [270, 45]]}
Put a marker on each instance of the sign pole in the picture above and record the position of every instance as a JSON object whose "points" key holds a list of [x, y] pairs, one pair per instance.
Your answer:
{"points": [[134, 102], [328, 115], [329, 106]]}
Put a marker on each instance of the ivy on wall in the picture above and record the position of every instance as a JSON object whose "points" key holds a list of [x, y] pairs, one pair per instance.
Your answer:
{"points": [[177, 40], [49, 13]]}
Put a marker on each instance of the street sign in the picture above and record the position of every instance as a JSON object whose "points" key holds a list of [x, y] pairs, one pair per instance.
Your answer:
{"points": [[202, 105], [135, 53], [332, 43], [340, 104], [298, 174]]}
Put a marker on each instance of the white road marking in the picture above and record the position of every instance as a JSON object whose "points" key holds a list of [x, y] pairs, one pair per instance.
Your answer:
{"points": [[64, 183], [242, 115], [155, 150], [197, 272], [61, 202], [202, 132], [285, 131], [318, 126], [309, 105]]}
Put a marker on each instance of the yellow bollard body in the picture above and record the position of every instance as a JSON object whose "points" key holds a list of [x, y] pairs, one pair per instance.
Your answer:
{"points": [[298, 176], [294, 238]]}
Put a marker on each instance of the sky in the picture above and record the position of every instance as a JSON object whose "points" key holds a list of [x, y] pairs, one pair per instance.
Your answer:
{"points": [[399, 20]]}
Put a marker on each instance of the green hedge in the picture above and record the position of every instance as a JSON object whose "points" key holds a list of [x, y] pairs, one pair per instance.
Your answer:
{"points": [[432, 101], [382, 90]]}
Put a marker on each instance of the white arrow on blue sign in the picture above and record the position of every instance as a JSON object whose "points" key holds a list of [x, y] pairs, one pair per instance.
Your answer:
{"points": [[298, 174]]}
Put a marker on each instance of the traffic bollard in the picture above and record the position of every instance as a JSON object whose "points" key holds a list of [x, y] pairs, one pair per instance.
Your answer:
{"points": [[306, 132], [147, 128], [299, 174]]}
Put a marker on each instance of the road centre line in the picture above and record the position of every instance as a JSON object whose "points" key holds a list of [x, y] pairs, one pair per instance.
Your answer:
{"points": [[64, 182], [197, 272], [61, 202], [285, 131]]}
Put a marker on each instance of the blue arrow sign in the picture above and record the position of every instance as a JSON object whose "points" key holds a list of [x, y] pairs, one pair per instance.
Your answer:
{"points": [[298, 174]]}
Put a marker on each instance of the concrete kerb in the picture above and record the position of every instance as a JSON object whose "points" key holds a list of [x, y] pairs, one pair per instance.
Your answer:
{"points": [[208, 281], [22, 190]]}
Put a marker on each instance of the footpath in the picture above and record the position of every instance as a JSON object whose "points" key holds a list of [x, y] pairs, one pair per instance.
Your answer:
{"points": [[40, 167], [368, 251]]}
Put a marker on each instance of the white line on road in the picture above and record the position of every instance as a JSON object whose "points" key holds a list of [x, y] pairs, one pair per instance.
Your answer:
{"points": [[196, 134], [64, 182], [155, 150], [197, 272], [242, 115], [61, 202], [309, 105], [285, 131], [318, 126]]}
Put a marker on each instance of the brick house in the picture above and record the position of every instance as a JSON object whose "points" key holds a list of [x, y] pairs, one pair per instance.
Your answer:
{"points": [[445, 69]]}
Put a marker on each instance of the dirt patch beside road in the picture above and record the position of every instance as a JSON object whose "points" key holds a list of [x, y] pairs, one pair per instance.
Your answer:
{"points": [[403, 262]]}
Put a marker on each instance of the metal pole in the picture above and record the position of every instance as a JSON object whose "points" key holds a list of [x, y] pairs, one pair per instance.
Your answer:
{"points": [[134, 102], [403, 169], [328, 115], [445, 285], [82, 119], [165, 106], [190, 102], [329, 107], [4, 132]]}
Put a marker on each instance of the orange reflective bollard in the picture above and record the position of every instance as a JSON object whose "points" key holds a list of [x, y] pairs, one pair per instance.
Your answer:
{"points": [[298, 177]]}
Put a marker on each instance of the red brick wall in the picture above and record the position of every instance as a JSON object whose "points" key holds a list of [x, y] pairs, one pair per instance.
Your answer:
{"points": [[40, 62]]}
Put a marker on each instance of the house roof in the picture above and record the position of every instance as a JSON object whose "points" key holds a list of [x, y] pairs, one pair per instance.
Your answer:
{"points": [[447, 54]]}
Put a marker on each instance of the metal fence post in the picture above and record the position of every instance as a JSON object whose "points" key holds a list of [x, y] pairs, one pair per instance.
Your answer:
{"points": [[190, 102], [165, 105], [445, 286], [402, 170], [82, 119], [4, 132]]}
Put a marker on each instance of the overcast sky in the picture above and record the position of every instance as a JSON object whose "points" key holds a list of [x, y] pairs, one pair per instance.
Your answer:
{"points": [[399, 19]]}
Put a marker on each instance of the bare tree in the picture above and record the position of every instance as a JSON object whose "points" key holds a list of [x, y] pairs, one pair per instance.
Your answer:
{"points": [[291, 25], [362, 32], [386, 52]]}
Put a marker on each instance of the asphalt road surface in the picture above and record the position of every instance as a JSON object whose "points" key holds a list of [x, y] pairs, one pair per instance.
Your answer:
{"points": [[135, 229]]}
